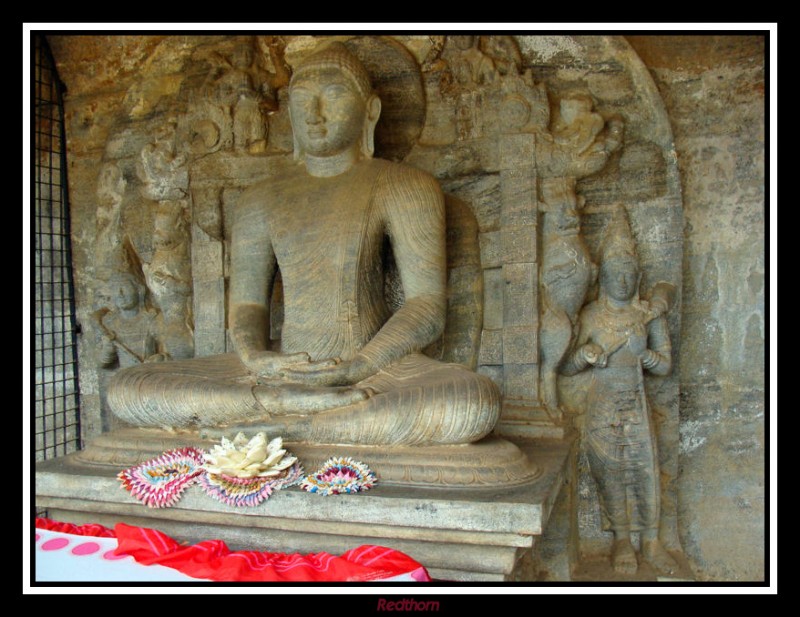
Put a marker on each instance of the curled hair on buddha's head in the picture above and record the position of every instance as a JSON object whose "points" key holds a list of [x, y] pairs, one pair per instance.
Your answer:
{"points": [[336, 55]]}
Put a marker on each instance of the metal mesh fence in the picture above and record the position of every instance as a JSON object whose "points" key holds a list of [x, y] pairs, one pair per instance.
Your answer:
{"points": [[57, 414]]}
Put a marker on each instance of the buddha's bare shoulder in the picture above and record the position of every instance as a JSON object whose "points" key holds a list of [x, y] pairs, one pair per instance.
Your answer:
{"points": [[401, 173], [398, 182]]}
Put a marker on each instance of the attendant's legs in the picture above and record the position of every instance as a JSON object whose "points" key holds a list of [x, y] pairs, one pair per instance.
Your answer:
{"points": [[614, 501]]}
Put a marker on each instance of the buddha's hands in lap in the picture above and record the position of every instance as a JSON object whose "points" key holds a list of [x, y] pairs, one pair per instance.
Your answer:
{"points": [[329, 372], [307, 387], [270, 364]]}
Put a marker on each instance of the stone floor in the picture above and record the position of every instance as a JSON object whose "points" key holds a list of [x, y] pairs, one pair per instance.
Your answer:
{"points": [[598, 570]]}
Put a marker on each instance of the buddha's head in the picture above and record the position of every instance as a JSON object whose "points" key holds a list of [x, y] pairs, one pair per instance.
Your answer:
{"points": [[332, 106]]}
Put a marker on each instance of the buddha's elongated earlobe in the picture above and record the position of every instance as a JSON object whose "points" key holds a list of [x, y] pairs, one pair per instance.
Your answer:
{"points": [[371, 117], [297, 153]]}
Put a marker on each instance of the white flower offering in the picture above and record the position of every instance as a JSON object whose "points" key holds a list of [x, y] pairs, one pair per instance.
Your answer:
{"points": [[243, 458]]}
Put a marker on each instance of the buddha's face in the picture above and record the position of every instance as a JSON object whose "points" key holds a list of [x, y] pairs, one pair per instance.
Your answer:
{"points": [[327, 112], [619, 278]]}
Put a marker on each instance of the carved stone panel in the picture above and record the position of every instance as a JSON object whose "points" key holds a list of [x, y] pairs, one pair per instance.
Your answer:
{"points": [[534, 140]]}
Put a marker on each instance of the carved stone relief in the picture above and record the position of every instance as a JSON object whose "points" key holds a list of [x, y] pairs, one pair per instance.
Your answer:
{"points": [[130, 330], [168, 276], [531, 163], [619, 337], [336, 377]]}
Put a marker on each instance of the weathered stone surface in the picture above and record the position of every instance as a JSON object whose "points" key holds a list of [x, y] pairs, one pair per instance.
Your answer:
{"points": [[482, 192], [519, 244], [520, 295], [712, 88], [521, 381], [491, 347], [493, 291], [519, 197]]}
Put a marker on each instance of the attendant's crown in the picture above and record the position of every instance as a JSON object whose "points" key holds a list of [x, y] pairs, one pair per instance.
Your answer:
{"points": [[618, 241]]}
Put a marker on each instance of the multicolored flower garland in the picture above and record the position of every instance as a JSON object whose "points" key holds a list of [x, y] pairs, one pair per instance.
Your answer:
{"points": [[159, 482], [338, 476]]}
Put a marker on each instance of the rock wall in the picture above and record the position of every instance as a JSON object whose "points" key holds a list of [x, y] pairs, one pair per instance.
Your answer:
{"points": [[714, 91]]}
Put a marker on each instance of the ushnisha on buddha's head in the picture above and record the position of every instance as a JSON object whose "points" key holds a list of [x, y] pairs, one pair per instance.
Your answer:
{"points": [[333, 110]]}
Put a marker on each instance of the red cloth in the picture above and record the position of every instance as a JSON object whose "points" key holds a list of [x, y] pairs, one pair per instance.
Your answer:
{"points": [[213, 560], [91, 529]]}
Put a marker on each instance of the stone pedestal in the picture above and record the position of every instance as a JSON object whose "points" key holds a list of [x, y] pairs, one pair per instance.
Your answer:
{"points": [[461, 534]]}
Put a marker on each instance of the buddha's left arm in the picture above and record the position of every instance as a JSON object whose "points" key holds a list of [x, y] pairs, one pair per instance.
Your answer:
{"points": [[414, 212]]}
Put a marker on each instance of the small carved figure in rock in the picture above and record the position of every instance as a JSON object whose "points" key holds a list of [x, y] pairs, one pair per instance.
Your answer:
{"points": [[110, 191], [578, 126], [129, 330], [566, 274], [432, 60], [580, 141], [504, 52], [620, 337], [168, 277], [239, 91], [346, 369], [162, 170], [470, 66]]}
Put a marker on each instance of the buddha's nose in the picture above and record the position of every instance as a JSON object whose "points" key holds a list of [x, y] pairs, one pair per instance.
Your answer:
{"points": [[313, 111]]}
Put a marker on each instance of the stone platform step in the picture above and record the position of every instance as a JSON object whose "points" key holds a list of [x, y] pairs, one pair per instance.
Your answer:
{"points": [[492, 462], [467, 534]]}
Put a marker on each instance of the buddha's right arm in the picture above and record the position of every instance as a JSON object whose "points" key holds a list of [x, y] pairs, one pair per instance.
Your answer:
{"points": [[252, 273], [249, 328]]}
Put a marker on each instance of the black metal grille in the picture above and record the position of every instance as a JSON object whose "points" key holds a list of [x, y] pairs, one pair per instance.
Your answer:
{"points": [[57, 412]]}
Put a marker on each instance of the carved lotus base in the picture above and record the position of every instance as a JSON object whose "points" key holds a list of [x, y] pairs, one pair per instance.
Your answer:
{"points": [[492, 462]]}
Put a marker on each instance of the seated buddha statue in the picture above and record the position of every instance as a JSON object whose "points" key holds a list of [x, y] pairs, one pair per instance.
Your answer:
{"points": [[347, 369]]}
